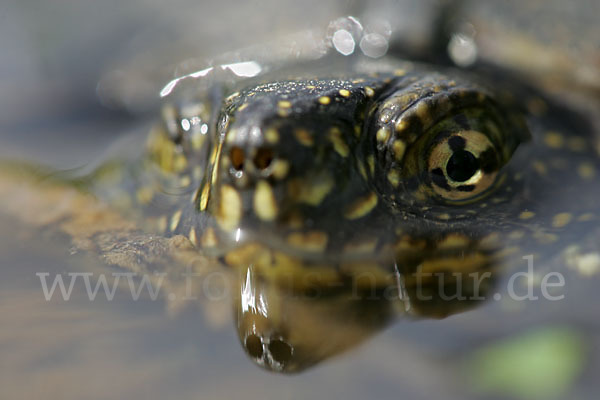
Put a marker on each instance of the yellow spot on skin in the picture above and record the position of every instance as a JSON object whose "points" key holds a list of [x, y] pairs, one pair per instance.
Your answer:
{"points": [[361, 207], [229, 212], [304, 137], [209, 239], [540, 167], [242, 107], [526, 215], [161, 224], [144, 195], [204, 197], [362, 170], [394, 178], [453, 241], [265, 205], [271, 135], [545, 238], [357, 130], [344, 93], [398, 148], [444, 216], [400, 72], [554, 140], [367, 275], [313, 241], [371, 163], [506, 251], [516, 235], [369, 91], [197, 139], [335, 135], [284, 104], [421, 193], [518, 176], [586, 217], [383, 134], [422, 111], [311, 87], [291, 272], [490, 241], [229, 139], [175, 221], [561, 220], [161, 148], [283, 112], [244, 255], [401, 125], [405, 99], [312, 192], [406, 243], [193, 237], [324, 100], [232, 96], [280, 168], [586, 170], [185, 181], [587, 264], [179, 163]]}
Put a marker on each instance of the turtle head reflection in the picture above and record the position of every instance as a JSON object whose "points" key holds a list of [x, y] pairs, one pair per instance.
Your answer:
{"points": [[257, 308], [286, 329]]}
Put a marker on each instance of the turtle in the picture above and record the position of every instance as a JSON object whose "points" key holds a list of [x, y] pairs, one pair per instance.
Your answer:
{"points": [[350, 184]]}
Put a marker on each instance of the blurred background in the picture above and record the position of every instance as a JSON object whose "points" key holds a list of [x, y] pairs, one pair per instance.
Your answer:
{"points": [[71, 76]]}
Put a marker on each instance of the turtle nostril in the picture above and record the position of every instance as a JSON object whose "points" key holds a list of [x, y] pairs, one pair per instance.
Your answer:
{"points": [[254, 346], [280, 350], [263, 158], [237, 158]]}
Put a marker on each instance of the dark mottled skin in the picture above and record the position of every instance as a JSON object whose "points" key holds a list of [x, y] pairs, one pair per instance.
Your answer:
{"points": [[324, 173], [537, 178]]}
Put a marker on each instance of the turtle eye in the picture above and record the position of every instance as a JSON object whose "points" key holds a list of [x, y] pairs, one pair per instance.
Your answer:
{"points": [[463, 165], [441, 140]]}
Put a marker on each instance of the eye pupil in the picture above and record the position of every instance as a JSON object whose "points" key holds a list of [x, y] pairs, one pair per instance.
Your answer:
{"points": [[462, 166]]}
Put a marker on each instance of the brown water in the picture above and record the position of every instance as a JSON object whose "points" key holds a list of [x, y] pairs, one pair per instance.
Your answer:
{"points": [[153, 349]]}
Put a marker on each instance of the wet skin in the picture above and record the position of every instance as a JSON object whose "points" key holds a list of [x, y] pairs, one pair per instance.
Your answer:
{"points": [[360, 166], [377, 177]]}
